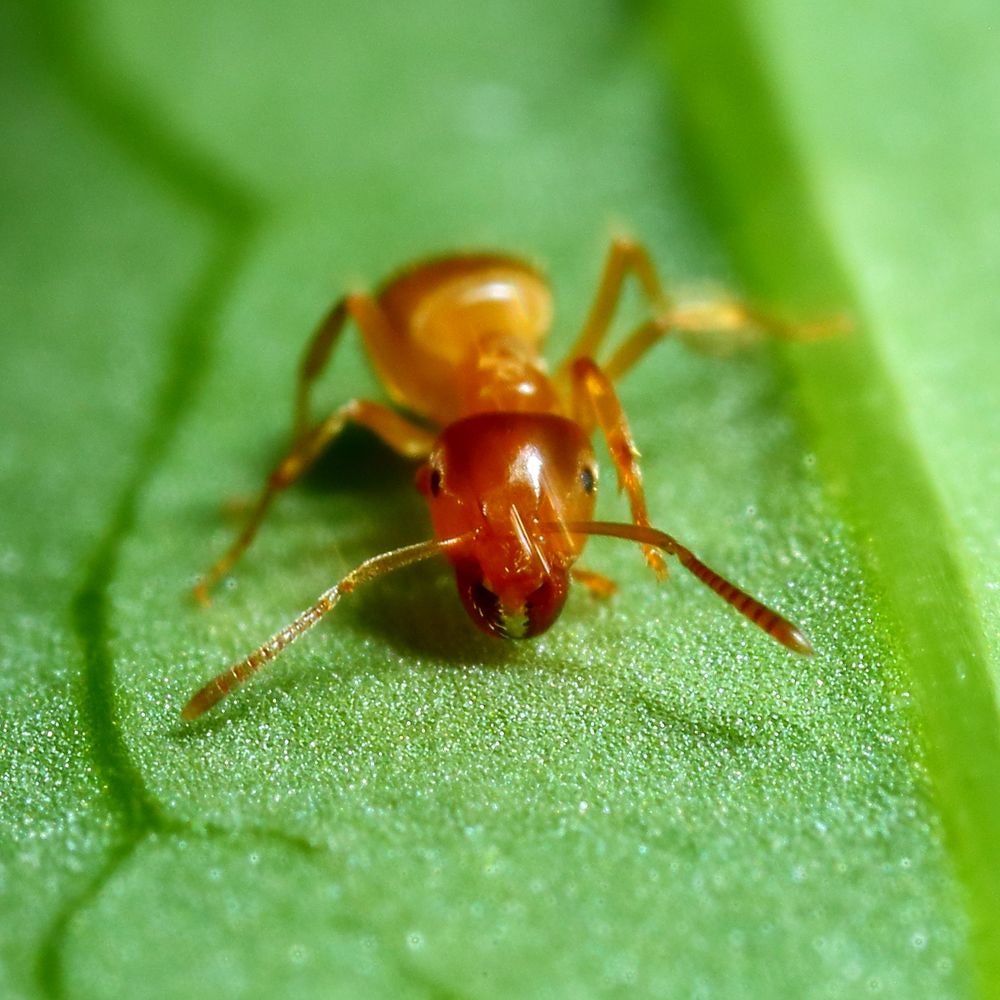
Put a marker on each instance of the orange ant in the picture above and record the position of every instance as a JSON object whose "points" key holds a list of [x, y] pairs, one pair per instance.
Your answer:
{"points": [[507, 471]]}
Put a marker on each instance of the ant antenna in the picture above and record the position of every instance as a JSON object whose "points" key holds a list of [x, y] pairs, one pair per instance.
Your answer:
{"points": [[215, 690], [760, 614]]}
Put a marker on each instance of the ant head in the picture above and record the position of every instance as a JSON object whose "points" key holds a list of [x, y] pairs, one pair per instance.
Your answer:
{"points": [[499, 478]]}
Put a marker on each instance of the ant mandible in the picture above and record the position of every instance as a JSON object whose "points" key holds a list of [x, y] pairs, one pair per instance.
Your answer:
{"points": [[507, 469]]}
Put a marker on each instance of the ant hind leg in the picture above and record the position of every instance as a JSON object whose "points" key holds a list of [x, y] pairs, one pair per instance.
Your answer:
{"points": [[314, 360], [367, 316], [705, 318]]}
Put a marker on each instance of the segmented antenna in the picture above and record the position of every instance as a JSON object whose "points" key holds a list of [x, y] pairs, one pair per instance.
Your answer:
{"points": [[760, 614], [217, 688]]}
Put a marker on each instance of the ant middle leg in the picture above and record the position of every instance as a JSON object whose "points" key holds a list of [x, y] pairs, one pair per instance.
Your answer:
{"points": [[405, 437]]}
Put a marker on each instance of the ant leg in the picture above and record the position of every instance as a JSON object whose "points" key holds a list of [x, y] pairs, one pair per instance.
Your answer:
{"points": [[595, 399], [374, 327], [714, 317], [625, 257], [408, 439], [314, 360], [597, 583]]}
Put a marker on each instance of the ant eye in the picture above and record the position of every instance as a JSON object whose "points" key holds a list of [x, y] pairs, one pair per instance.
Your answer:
{"points": [[435, 482], [587, 479]]}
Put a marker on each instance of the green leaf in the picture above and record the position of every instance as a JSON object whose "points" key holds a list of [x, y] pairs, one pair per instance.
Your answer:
{"points": [[651, 797]]}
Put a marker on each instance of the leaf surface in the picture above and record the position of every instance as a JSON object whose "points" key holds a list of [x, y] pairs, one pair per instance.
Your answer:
{"points": [[652, 796]]}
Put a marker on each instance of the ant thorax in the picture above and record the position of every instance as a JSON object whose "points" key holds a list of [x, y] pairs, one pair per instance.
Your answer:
{"points": [[502, 373]]}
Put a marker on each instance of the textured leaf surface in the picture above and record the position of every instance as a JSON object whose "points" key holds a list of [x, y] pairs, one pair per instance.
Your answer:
{"points": [[650, 796]]}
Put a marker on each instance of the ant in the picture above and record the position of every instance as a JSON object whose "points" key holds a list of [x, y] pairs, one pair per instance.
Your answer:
{"points": [[508, 471]]}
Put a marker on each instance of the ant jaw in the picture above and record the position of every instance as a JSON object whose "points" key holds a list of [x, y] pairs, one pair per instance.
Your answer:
{"points": [[514, 614]]}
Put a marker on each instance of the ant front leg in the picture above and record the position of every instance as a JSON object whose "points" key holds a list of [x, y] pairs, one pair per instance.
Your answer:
{"points": [[625, 257], [598, 584], [595, 399], [408, 439]]}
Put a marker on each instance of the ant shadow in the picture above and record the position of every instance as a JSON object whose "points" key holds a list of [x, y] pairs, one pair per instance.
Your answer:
{"points": [[708, 727], [358, 462]]}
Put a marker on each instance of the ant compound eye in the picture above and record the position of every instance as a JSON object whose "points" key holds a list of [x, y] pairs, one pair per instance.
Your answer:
{"points": [[428, 480], [588, 479]]}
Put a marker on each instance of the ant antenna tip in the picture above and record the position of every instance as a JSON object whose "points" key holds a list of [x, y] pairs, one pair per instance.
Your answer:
{"points": [[795, 639]]}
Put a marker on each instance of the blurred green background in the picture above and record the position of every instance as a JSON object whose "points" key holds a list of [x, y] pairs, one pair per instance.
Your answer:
{"points": [[652, 799]]}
